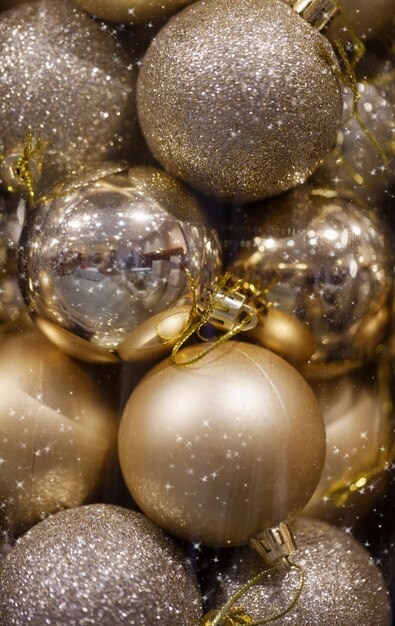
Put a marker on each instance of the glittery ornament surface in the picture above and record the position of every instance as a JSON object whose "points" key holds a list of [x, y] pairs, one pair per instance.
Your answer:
{"points": [[97, 565], [67, 80], [342, 585], [239, 97]]}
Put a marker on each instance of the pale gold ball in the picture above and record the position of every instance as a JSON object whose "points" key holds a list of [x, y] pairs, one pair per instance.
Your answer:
{"points": [[357, 412], [217, 451], [56, 431], [134, 11]]}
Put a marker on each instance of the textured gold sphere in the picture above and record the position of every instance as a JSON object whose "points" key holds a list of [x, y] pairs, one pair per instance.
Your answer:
{"points": [[342, 585], [134, 11], [328, 262], [103, 264], [248, 97], [70, 83], [57, 431], [217, 451], [101, 565], [357, 412]]}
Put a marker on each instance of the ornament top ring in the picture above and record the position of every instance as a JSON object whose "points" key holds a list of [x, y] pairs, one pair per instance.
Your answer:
{"points": [[249, 97]]}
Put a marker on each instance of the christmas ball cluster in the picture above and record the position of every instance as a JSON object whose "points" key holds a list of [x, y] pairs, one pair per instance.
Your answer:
{"points": [[130, 133]]}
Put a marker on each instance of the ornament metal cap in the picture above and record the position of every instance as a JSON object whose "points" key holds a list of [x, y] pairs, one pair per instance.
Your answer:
{"points": [[275, 545], [229, 311], [317, 12]]}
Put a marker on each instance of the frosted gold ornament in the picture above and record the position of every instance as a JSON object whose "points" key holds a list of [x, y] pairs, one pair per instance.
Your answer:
{"points": [[342, 585], [98, 564], [357, 412], [249, 97], [68, 82], [57, 432], [217, 451], [327, 262], [104, 259], [363, 161], [134, 11]]}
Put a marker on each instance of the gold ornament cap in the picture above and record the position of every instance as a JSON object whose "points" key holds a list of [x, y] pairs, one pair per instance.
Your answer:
{"points": [[275, 545], [317, 12]]}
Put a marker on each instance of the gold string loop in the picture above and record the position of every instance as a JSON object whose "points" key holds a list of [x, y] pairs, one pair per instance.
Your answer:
{"points": [[222, 306]]}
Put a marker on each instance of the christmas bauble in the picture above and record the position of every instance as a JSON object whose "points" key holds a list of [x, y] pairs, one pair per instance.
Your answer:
{"points": [[11, 303], [57, 431], [97, 564], [108, 258], [248, 95], [342, 585], [135, 11], [6, 4], [328, 262], [67, 81], [357, 412], [217, 451], [358, 163]]}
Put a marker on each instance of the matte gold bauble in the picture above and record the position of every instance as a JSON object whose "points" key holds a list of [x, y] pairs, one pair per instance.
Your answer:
{"points": [[57, 431], [134, 11], [217, 451], [342, 586], [68, 82], [357, 412], [327, 262], [104, 264], [248, 96], [100, 565]]}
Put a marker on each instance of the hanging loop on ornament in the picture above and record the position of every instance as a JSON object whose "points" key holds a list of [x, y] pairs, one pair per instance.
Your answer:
{"points": [[317, 12], [21, 168], [229, 615], [223, 307]]}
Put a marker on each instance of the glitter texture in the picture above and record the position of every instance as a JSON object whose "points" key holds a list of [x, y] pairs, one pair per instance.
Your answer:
{"points": [[99, 564], [69, 82], [248, 102], [342, 586]]}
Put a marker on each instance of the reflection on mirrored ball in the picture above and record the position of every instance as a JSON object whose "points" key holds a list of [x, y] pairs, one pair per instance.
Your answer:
{"points": [[109, 257], [327, 262]]}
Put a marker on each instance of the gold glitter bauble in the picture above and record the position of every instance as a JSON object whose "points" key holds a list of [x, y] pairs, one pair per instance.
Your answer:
{"points": [[67, 81], [134, 11], [357, 163], [248, 97], [342, 585], [217, 451], [98, 564], [103, 265], [56, 431], [357, 412], [327, 262]]}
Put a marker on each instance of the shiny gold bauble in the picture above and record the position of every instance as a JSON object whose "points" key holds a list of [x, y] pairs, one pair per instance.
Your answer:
{"points": [[327, 262], [342, 585], [134, 11], [68, 82], [56, 428], [104, 264], [217, 451], [248, 96], [357, 412], [363, 161], [98, 564]]}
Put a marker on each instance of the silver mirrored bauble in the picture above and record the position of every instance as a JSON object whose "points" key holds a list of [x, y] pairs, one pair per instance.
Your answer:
{"points": [[342, 584], [68, 81], [239, 98], [108, 257], [101, 565], [328, 262]]}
